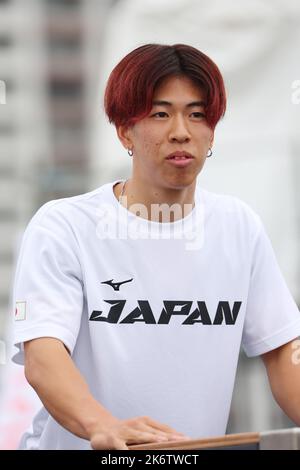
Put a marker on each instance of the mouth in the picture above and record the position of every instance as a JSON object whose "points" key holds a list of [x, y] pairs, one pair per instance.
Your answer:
{"points": [[180, 159]]}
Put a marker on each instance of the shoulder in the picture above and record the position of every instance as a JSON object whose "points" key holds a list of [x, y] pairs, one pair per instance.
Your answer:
{"points": [[68, 212], [231, 211]]}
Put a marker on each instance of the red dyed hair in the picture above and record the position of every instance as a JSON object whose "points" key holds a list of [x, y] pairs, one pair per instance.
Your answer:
{"points": [[130, 87]]}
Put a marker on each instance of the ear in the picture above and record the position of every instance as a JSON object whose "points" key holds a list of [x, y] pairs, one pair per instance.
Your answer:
{"points": [[125, 136]]}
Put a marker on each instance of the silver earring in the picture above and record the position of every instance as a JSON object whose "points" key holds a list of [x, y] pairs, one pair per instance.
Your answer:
{"points": [[209, 154], [130, 152]]}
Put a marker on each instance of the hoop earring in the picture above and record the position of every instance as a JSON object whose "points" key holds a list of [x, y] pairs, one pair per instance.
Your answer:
{"points": [[130, 152], [209, 154]]}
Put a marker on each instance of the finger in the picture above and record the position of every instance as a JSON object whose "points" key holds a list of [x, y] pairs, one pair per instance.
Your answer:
{"points": [[179, 437], [119, 445], [163, 434], [142, 437], [156, 432], [106, 442], [163, 427]]}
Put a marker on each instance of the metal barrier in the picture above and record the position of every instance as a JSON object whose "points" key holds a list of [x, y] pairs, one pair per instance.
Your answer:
{"points": [[282, 439]]}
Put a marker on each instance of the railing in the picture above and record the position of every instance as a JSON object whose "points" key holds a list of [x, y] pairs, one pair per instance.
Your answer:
{"points": [[282, 439]]}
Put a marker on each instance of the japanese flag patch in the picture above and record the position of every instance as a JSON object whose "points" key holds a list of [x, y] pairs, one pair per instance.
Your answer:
{"points": [[20, 311]]}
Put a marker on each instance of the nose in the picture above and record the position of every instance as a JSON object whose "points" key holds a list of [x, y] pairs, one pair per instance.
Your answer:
{"points": [[179, 131]]}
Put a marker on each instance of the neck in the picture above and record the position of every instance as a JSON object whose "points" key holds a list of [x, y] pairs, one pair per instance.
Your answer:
{"points": [[156, 203]]}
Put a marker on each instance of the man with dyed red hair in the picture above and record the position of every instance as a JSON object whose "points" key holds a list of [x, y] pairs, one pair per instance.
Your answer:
{"points": [[132, 301]]}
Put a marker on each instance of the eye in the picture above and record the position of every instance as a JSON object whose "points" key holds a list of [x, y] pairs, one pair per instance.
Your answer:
{"points": [[198, 115], [161, 113]]}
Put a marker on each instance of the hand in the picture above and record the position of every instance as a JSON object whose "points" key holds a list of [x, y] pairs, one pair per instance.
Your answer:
{"points": [[115, 434]]}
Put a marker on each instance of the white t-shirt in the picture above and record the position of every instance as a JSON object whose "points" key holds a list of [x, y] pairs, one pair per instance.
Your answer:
{"points": [[153, 313]]}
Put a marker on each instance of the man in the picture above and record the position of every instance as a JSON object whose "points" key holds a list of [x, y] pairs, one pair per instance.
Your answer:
{"points": [[132, 300]]}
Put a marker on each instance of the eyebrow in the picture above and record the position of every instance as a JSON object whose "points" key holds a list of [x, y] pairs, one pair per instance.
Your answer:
{"points": [[167, 103]]}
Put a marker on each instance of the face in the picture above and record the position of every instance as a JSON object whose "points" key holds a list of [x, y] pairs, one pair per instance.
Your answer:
{"points": [[176, 123]]}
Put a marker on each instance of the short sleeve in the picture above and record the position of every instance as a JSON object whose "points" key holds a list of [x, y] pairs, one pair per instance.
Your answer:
{"points": [[48, 287], [272, 316]]}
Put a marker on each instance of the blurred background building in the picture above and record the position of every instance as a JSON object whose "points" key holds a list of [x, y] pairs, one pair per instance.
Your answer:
{"points": [[55, 58]]}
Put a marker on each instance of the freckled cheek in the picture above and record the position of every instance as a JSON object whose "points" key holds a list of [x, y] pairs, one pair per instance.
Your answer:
{"points": [[151, 145]]}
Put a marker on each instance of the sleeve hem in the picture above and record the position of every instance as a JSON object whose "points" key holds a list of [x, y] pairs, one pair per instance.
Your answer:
{"points": [[26, 335], [272, 342]]}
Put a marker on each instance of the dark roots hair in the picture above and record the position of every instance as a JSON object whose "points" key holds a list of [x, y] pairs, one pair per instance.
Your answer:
{"points": [[130, 87]]}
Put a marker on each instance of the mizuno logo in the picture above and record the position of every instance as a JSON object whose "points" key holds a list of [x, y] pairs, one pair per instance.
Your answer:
{"points": [[116, 285], [143, 312]]}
